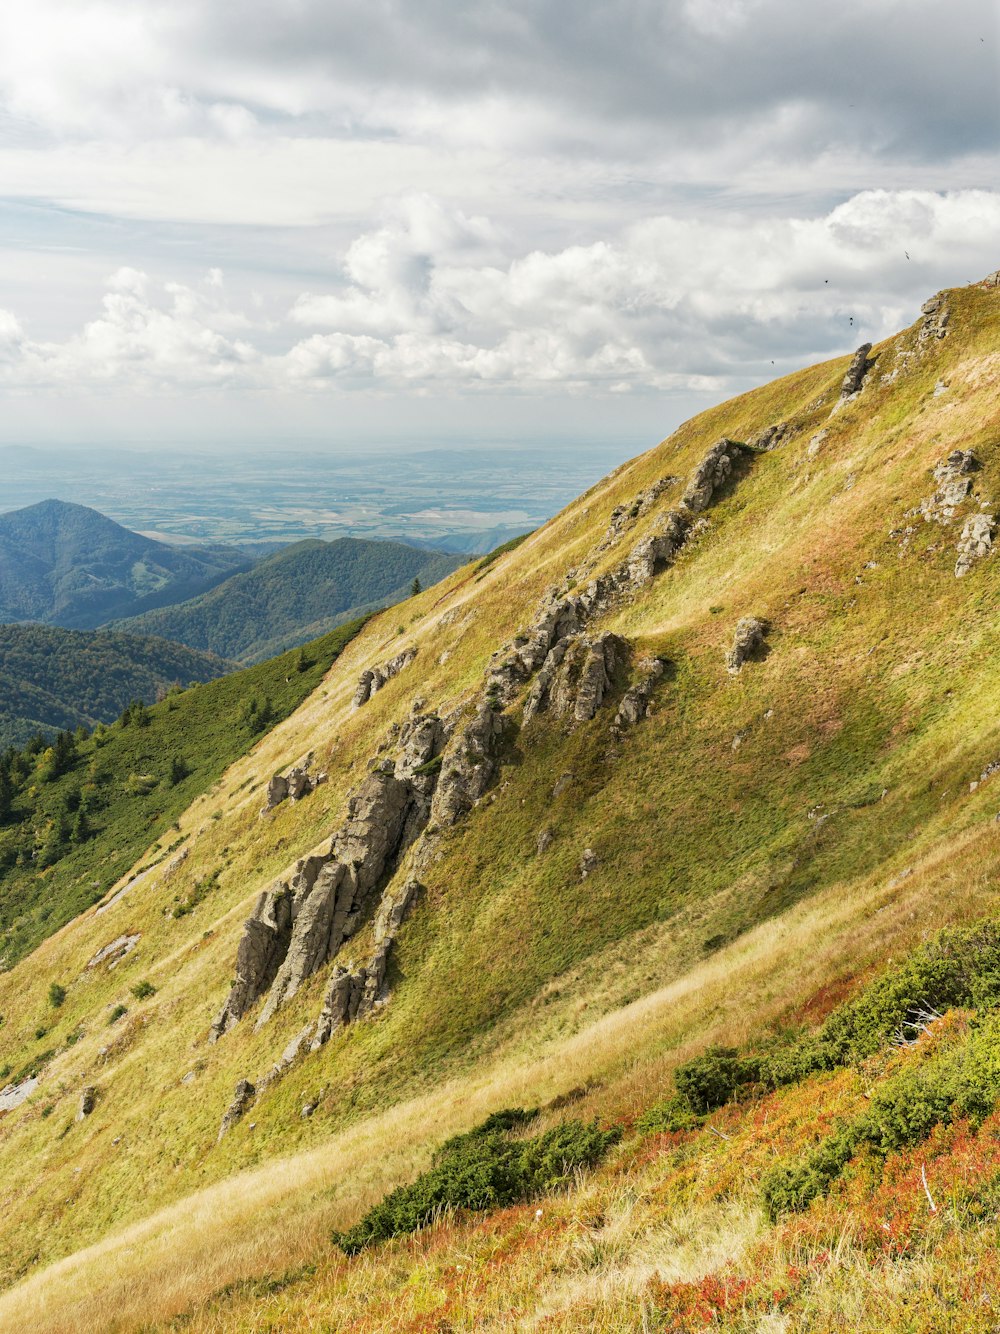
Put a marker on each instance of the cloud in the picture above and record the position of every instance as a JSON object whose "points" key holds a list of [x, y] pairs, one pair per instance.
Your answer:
{"points": [[431, 299]]}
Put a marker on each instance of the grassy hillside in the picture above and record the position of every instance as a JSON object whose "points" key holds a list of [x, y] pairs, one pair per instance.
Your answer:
{"points": [[53, 679], [75, 815], [732, 869], [294, 595], [69, 565]]}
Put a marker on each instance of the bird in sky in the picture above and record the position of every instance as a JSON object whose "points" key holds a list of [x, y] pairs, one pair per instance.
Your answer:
{"points": [[906, 253]]}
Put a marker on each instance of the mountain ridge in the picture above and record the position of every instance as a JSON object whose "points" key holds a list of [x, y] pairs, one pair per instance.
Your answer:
{"points": [[650, 831]]}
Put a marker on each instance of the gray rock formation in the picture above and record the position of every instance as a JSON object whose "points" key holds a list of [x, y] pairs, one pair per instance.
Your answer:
{"points": [[710, 474], [770, 438], [588, 862], [624, 516], [576, 676], [260, 953], [991, 279], [469, 764], [747, 640], [88, 1101], [544, 841], [954, 482], [936, 313], [854, 380], [115, 951], [658, 548], [12, 1095], [975, 542], [242, 1098], [299, 783], [371, 682], [635, 702]]}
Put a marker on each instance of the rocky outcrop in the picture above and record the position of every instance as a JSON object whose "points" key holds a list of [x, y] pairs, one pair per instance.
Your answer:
{"points": [[468, 766], [88, 1101], [589, 863], [115, 951], [354, 993], [748, 640], [770, 437], [242, 1098], [298, 927], [658, 548], [975, 542], [371, 682], [576, 676], [624, 516], [260, 953], [854, 380], [954, 482], [635, 702], [12, 1095], [298, 783], [710, 474], [936, 314]]}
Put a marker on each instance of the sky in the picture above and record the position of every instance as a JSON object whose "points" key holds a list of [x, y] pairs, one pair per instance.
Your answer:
{"points": [[284, 222]]}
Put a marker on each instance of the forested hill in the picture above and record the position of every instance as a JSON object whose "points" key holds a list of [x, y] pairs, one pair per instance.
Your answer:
{"points": [[298, 593], [52, 679], [69, 565]]}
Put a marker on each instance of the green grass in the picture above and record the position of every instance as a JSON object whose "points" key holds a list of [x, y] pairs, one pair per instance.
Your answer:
{"points": [[132, 779]]}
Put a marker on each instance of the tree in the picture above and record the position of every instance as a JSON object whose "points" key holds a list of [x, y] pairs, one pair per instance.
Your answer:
{"points": [[81, 826], [416, 587], [178, 770]]}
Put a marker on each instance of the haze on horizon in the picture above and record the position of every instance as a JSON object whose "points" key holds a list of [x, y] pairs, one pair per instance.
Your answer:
{"points": [[233, 225]]}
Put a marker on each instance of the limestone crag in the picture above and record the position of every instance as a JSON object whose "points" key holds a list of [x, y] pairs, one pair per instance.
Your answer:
{"points": [[770, 438], [747, 640], [243, 1096], [710, 474], [576, 676], [260, 953], [298, 783], [623, 516], [658, 548], [354, 993], [371, 681], [936, 316], [635, 703], [953, 476], [854, 380], [975, 542], [115, 951], [88, 1101], [469, 764]]}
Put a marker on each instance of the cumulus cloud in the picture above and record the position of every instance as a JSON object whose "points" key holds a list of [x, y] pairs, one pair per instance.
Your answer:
{"points": [[431, 298]]}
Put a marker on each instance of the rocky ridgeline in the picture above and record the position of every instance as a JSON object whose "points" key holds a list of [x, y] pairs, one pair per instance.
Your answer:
{"points": [[293, 786], [854, 380], [370, 682], [936, 315]]}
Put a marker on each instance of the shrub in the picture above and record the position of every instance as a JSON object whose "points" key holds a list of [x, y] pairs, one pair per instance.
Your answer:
{"points": [[116, 1014], [710, 1080], [143, 990], [486, 1168], [57, 995]]}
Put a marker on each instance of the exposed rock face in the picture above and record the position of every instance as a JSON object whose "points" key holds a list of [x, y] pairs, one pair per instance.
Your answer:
{"points": [[770, 438], [544, 841], [588, 862], [991, 279], [623, 516], [710, 474], [952, 475], [354, 993], [576, 676], [748, 639], [115, 951], [261, 951], [635, 702], [242, 1098], [468, 765], [88, 1101], [936, 315], [298, 783], [975, 542], [371, 682], [659, 548], [854, 380], [816, 444], [13, 1095]]}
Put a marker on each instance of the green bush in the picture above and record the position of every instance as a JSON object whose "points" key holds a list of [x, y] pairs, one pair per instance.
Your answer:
{"points": [[143, 990], [116, 1014], [487, 1168], [710, 1080], [57, 995]]}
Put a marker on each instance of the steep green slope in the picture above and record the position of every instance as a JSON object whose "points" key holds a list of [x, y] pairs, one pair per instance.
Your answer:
{"points": [[301, 591], [75, 815], [587, 838], [53, 679], [69, 565]]}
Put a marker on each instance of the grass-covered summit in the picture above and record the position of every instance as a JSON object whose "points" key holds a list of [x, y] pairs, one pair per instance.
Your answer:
{"points": [[673, 802]]}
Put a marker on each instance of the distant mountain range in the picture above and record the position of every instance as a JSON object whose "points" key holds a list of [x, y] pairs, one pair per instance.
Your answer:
{"points": [[68, 565], [298, 593], [53, 679]]}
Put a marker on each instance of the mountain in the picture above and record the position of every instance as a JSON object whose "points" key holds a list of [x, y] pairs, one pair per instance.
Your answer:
{"points": [[68, 565], [643, 941], [52, 678], [297, 593]]}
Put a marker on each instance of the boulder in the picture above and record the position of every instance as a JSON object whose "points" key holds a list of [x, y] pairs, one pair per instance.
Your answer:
{"points": [[588, 862], [242, 1098], [370, 682], [975, 542], [659, 548], [115, 951], [88, 1101], [747, 640], [936, 313], [710, 474], [857, 371], [635, 702], [954, 482]]}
